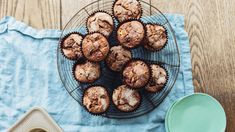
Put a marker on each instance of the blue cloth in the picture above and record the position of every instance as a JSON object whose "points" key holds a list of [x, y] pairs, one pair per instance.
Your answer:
{"points": [[29, 77]]}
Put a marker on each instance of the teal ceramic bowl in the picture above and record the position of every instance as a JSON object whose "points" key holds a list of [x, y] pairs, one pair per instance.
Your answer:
{"points": [[196, 113]]}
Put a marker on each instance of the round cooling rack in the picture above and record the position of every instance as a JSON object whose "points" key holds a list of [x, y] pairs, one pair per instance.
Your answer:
{"points": [[168, 57]]}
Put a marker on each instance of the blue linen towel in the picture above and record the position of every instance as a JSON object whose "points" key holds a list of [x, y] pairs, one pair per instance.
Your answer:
{"points": [[29, 77]]}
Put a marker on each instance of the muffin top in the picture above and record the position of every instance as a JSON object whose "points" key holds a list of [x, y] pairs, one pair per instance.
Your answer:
{"points": [[71, 46], [127, 9], [100, 22], [87, 72], [126, 99], [158, 78], [136, 74], [130, 33], [96, 99], [95, 47], [156, 37], [117, 58]]}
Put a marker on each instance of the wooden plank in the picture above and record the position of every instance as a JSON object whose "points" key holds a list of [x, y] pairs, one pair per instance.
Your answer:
{"points": [[36, 13], [169, 6], [210, 25], [70, 7]]}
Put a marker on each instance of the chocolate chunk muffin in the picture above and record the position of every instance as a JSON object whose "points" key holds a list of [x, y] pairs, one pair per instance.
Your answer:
{"points": [[136, 74], [95, 47], [96, 99], [71, 46], [126, 99], [130, 33], [156, 37], [127, 9], [100, 22], [117, 58], [158, 79], [86, 72]]}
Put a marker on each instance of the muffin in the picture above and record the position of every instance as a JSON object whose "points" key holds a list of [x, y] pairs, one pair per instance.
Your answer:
{"points": [[86, 72], [136, 74], [131, 33], [126, 99], [100, 22], [71, 46], [96, 99], [117, 58], [156, 37], [95, 47], [158, 79], [127, 9]]}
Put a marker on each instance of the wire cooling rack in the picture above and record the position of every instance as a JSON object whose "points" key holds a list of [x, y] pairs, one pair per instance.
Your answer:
{"points": [[168, 57]]}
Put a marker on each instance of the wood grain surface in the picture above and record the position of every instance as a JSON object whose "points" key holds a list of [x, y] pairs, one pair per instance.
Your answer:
{"points": [[36, 13], [209, 23]]}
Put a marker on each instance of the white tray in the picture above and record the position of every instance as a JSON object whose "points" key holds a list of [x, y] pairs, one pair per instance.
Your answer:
{"points": [[35, 118]]}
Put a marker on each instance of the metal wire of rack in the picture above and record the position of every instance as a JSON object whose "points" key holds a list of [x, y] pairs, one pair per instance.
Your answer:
{"points": [[169, 57]]}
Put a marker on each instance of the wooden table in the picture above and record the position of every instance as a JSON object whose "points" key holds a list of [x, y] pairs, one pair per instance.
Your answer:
{"points": [[209, 23]]}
